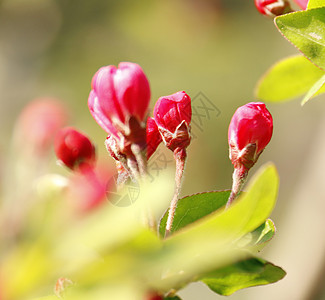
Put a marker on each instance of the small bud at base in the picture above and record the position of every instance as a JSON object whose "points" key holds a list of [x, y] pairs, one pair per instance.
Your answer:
{"points": [[73, 148]]}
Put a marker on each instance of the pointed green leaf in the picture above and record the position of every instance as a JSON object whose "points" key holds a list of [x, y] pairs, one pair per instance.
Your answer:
{"points": [[243, 274], [315, 4], [257, 239], [194, 207], [315, 90], [306, 30], [287, 79]]}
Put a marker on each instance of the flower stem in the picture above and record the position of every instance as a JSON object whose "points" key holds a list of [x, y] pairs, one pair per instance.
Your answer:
{"points": [[180, 157], [238, 179]]}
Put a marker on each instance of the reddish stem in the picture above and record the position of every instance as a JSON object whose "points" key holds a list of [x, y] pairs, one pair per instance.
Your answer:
{"points": [[180, 157]]}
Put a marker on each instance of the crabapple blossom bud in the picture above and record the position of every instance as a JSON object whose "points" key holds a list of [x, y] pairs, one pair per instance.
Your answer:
{"points": [[173, 116], [120, 93], [272, 8], [38, 123], [250, 130], [73, 148], [153, 137]]}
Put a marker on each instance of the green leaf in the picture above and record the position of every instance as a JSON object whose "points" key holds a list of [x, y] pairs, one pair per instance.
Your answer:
{"points": [[315, 4], [194, 207], [173, 298], [257, 239], [306, 30], [315, 90], [287, 79], [243, 274], [211, 239]]}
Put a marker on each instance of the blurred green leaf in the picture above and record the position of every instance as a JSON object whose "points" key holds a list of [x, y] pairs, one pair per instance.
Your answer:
{"points": [[173, 298], [194, 207], [306, 30], [289, 78], [315, 4], [243, 274]]}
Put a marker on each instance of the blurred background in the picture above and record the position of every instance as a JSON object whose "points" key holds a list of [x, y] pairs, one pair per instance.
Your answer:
{"points": [[215, 50]]}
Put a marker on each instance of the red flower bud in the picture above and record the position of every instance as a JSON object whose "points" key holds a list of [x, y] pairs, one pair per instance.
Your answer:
{"points": [[273, 8], [73, 148], [173, 116], [120, 93], [153, 137], [250, 130]]}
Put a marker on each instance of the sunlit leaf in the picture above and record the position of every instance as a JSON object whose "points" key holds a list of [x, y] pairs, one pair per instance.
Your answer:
{"points": [[243, 274], [306, 30]]}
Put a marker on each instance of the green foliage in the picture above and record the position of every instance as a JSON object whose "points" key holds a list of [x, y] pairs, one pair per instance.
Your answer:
{"points": [[295, 76], [306, 31], [173, 298], [247, 273], [290, 78]]}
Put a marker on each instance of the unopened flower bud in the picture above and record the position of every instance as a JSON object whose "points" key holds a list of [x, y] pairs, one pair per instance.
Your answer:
{"points": [[250, 130], [73, 148], [173, 116], [153, 137], [120, 94], [119, 102], [273, 8]]}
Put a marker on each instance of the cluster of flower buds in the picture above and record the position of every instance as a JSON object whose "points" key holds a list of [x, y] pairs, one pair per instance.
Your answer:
{"points": [[273, 8], [119, 102], [250, 131]]}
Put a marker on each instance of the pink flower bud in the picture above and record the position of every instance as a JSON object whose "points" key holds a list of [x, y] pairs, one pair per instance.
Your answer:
{"points": [[119, 93], [153, 137], [302, 3], [250, 130], [273, 8], [38, 123], [73, 148], [173, 116], [99, 115]]}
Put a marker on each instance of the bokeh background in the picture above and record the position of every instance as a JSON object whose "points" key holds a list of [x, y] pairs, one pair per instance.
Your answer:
{"points": [[215, 50]]}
